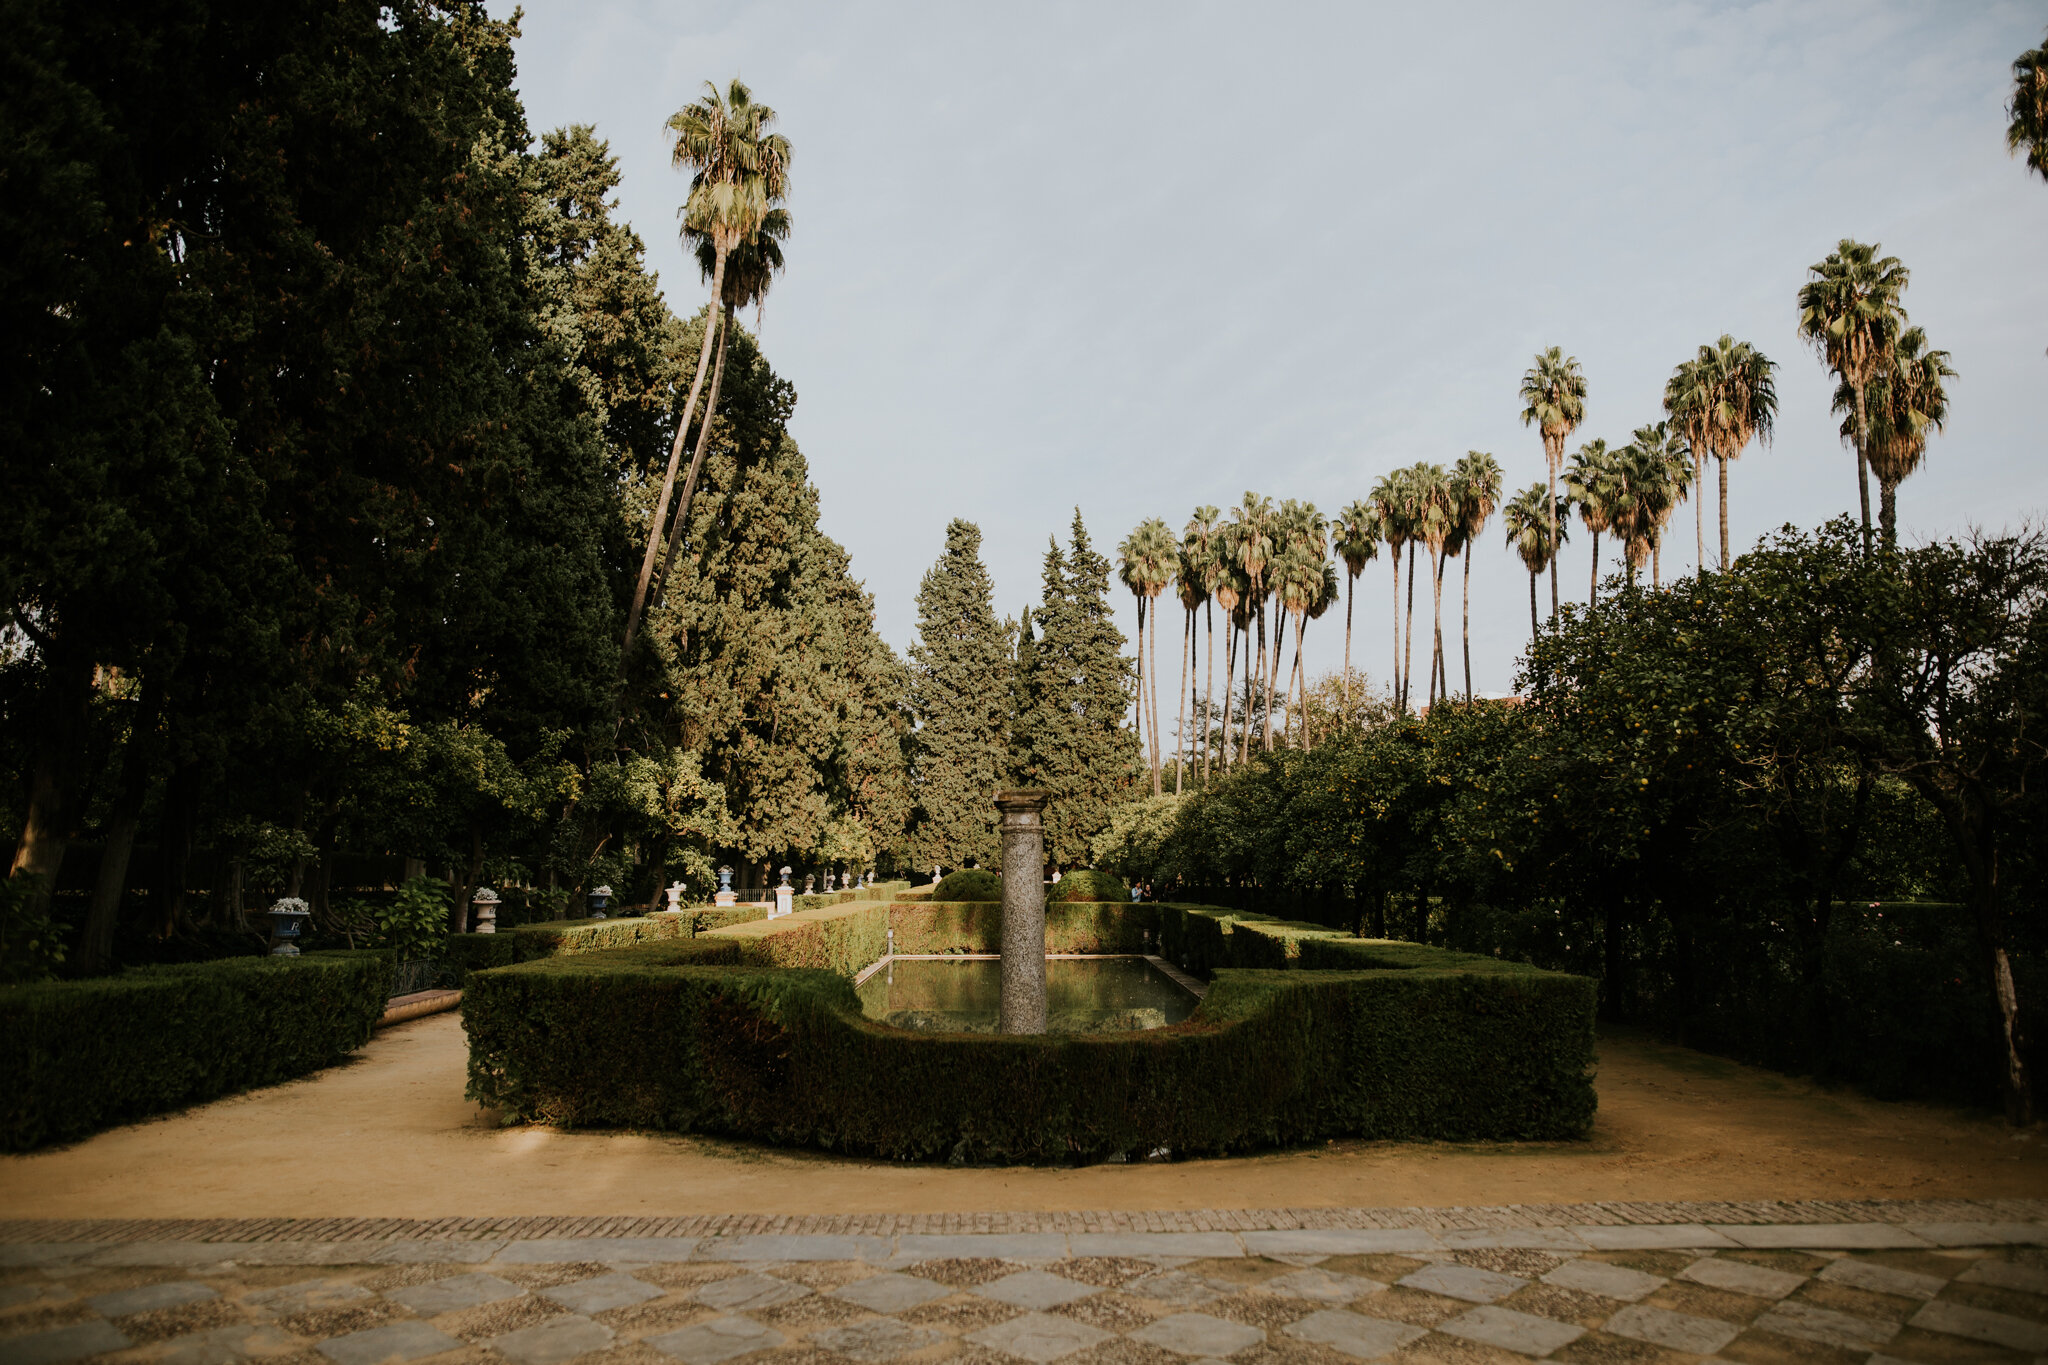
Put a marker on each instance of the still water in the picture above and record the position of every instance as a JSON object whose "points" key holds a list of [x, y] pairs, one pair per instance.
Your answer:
{"points": [[1087, 995]]}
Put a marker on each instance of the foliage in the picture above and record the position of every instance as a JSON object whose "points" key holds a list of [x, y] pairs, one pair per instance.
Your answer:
{"points": [[1087, 884], [84, 1055], [415, 923], [969, 884], [956, 694], [30, 948]]}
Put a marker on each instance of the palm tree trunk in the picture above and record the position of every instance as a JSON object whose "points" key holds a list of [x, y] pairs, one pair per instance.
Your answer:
{"points": [[1395, 682], [1888, 513], [1656, 567], [675, 455], [1209, 687], [682, 520], [1152, 667], [1436, 588], [1244, 738], [1862, 471], [1229, 672], [1138, 718], [1350, 596], [1408, 647], [1593, 593], [1723, 463], [1273, 678], [1180, 734], [1699, 508], [1468, 626], [1532, 609], [1265, 683], [1297, 684], [1550, 513]]}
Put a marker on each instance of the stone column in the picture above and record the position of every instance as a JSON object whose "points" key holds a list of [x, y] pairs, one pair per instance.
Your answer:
{"points": [[1023, 829]]}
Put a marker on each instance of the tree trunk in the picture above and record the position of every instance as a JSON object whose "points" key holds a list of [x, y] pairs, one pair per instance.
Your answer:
{"points": [[1395, 684], [1138, 718], [2019, 1085], [1350, 596], [1722, 469], [1656, 567], [1180, 737], [1408, 632], [1209, 687], [1699, 509], [1593, 593], [1442, 687], [1244, 739], [682, 520], [1550, 515], [675, 455], [67, 693], [1297, 690], [1862, 471], [1888, 513], [1467, 627], [1152, 668], [1223, 747], [1273, 673], [1533, 630]]}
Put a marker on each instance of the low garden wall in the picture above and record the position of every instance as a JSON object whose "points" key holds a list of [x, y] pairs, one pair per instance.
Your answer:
{"points": [[754, 1030], [85, 1055]]}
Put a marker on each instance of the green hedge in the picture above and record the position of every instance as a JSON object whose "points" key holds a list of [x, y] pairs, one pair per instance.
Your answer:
{"points": [[81, 1056], [1087, 884], [969, 884], [755, 1031], [466, 953], [977, 927]]}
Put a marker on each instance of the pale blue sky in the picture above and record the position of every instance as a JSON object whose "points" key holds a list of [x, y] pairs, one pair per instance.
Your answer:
{"points": [[1144, 256]]}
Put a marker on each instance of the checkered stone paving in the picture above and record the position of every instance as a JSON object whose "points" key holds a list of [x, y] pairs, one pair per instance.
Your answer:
{"points": [[1848, 1294]]}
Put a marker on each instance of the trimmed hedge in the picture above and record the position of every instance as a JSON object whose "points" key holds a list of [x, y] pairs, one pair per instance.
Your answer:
{"points": [[969, 884], [466, 953], [86, 1055], [755, 1031], [977, 927], [1087, 884]]}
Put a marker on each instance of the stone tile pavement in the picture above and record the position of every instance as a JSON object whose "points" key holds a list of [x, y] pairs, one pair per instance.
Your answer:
{"points": [[1927, 1284]]}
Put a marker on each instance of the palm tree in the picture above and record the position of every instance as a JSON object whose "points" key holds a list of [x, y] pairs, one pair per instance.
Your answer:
{"points": [[1685, 400], [1252, 519], [740, 173], [1434, 515], [1475, 490], [1229, 592], [1742, 405], [1200, 541], [1357, 533], [1535, 532], [1390, 501], [1589, 486], [1850, 311], [1554, 402], [2029, 109], [1304, 556], [1149, 556], [1653, 474], [1131, 572], [1191, 582], [750, 269], [1905, 399]]}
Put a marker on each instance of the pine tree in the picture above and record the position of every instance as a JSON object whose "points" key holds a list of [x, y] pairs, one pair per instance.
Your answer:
{"points": [[958, 694], [1070, 724]]}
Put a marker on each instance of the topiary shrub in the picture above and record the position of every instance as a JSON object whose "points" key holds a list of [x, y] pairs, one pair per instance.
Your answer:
{"points": [[969, 884], [1085, 885]]}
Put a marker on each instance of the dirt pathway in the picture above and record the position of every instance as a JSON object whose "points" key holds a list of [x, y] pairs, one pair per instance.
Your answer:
{"points": [[389, 1135]]}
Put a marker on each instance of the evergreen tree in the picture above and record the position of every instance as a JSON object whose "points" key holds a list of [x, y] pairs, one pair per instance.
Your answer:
{"points": [[1070, 737], [958, 694]]}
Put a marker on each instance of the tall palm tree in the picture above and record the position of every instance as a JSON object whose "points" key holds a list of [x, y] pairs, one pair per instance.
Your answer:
{"points": [[1535, 533], [1554, 402], [1303, 559], [750, 269], [1653, 474], [2029, 110], [1200, 540], [1589, 486], [1429, 495], [1905, 400], [740, 173], [1229, 592], [1685, 400], [1390, 500], [1131, 571], [1192, 587], [1742, 405], [1151, 554], [1475, 489], [1357, 534], [1850, 312], [1252, 520]]}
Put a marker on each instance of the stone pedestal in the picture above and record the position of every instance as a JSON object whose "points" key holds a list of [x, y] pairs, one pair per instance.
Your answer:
{"points": [[1023, 830], [726, 898]]}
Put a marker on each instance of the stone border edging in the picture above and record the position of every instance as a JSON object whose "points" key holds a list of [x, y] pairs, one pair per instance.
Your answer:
{"points": [[1950, 1222], [417, 1005]]}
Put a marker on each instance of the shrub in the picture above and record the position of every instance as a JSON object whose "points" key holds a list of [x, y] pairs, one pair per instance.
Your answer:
{"points": [[415, 923], [1087, 885], [969, 884], [85, 1055], [466, 953], [31, 945]]}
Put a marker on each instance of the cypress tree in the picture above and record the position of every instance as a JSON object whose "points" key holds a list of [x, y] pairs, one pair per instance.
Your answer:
{"points": [[959, 696], [1071, 736]]}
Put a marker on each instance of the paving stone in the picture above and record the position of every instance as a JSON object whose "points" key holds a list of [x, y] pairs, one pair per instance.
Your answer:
{"points": [[403, 1340], [1015, 1246], [62, 1343], [1155, 1244], [1739, 1277], [1039, 1337], [1821, 1236], [876, 1341], [1532, 1239], [455, 1292], [891, 1293], [551, 1343], [1323, 1286], [1199, 1334], [707, 1343], [225, 1345], [1034, 1289], [1980, 1234], [305, 1296], [1176, 1287], [2001, 1329], [616, 1290], [1354, 1334], [172, 1253], [1883, 1279], [1609, 1281], [604, 1250], [1511, 1331], [752, 1290], [1810, 1322], [1340, 1241], [150, 1297], [2007, 1275], [1464, 1282], [779, 1246], [1652, 1237], [1678, 1331], [14, 1295], [45, 1253]]}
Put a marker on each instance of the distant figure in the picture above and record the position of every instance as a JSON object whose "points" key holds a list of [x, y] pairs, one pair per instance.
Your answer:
{"points": [[1137, 891]]}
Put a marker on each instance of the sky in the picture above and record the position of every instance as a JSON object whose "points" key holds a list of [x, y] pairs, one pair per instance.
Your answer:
{"points": [[1138, 257]]}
